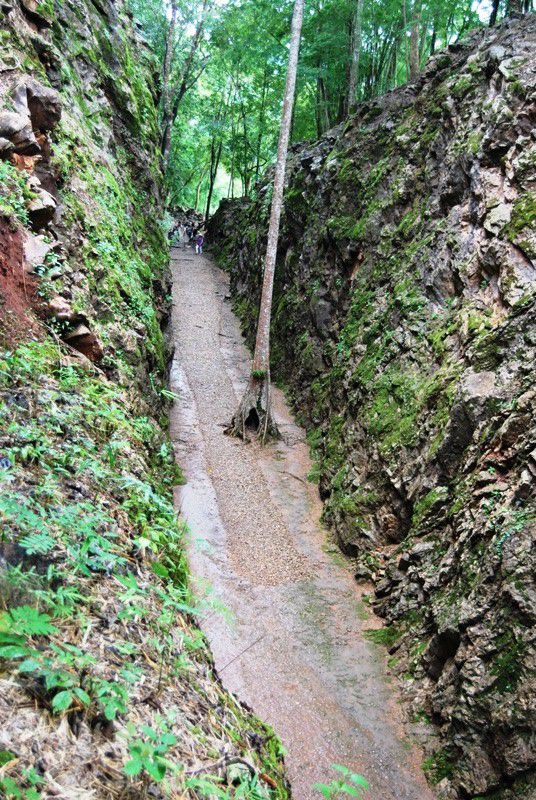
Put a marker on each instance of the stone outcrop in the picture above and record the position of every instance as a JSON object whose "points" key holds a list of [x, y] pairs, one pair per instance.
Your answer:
{"points": [[61, 126], [405, 330], [93, 581]]}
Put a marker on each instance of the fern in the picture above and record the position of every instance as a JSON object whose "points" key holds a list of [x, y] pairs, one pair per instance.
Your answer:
{"points": [[27, 621], [37, 543]]}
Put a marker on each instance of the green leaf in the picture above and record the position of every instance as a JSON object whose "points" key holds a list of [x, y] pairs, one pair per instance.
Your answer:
{"points": [[6, 756], [351, 790], [62, 701], [359, 780], [11, 638], [13, 651], [324, 789], [82, 696], [133, 767], [10, 787], [27, 621], [150, 732], [156, 769], [340, 768], [29, 665], [160, 570], [37, 543]]}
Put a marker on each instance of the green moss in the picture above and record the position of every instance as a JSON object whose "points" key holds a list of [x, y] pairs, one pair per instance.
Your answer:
{"points": [[116, 221], [428, 135], [408, 221], [387, 636], [396, 399], [431, 499], [463, 86], [523, 217], [479, 322], [439, 765], [46, 9], [443, 61], [372, 113], [507, 665]]}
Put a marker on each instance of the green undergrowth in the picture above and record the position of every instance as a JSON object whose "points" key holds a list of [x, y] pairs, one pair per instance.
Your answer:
{"points": [[439, 765], [387, 636], [87, 524], [111, 252], [124, 250], [74, 507], [14, 193]]}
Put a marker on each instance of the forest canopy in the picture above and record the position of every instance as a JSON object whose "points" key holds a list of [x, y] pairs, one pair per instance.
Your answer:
{"points": [[223, 68]]}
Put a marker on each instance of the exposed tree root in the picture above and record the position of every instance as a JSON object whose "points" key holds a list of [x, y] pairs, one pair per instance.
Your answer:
{"points": [[254, 417]]}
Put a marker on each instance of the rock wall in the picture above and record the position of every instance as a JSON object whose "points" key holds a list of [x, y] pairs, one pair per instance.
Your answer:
{"points": [[404, 328], [79, 118], [106, 686]]}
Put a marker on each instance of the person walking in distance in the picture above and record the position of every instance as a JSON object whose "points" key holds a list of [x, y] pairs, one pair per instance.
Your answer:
{"points": [[199, 242]]}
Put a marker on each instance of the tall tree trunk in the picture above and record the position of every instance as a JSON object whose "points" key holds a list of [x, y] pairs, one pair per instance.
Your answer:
{"points": [[355, 55], [494, 12], [215, 155], [262, 113], [318, 107], [325, 105], [198, 188], [254, 411], [391, 68], [230, 191], [433, 39], [182, 86], [515, 7], [166, 75], [319, 104], [404, 36], [414, 60]]}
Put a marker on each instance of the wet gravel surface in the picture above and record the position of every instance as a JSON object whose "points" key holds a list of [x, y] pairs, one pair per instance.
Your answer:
{"points": [[291, 643]]}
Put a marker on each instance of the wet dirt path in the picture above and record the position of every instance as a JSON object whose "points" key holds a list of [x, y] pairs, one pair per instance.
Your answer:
{"points": [[292, 647]]}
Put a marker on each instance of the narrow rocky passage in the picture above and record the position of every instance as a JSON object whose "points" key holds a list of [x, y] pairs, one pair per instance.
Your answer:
{"points": [[292, 646]]}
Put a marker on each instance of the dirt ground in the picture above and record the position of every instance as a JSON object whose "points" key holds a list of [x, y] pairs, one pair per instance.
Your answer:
{"points": [[289, 640]]}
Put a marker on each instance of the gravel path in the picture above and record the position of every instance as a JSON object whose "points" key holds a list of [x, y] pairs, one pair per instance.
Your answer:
{"points": [[291, 644]]}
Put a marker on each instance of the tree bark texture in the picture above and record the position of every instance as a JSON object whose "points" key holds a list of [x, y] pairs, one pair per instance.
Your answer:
{"points": [[254, 411]]}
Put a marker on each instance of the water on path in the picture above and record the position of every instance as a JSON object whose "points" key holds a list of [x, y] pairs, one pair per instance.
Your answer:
{"points": [[294, 649]]}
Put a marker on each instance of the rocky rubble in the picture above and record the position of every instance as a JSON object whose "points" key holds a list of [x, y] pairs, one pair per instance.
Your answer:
{"points": [[405, 330]]}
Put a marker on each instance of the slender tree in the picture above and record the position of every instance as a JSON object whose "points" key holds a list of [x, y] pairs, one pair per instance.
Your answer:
{"points": [[494, 11], [254, 412], [216, 145], [175, 94], [414, 61], [355, 54], [166, 78]]}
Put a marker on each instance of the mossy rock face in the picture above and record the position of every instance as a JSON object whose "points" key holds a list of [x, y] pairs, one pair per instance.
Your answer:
{"points": [[416, 230], [93, 576]]}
